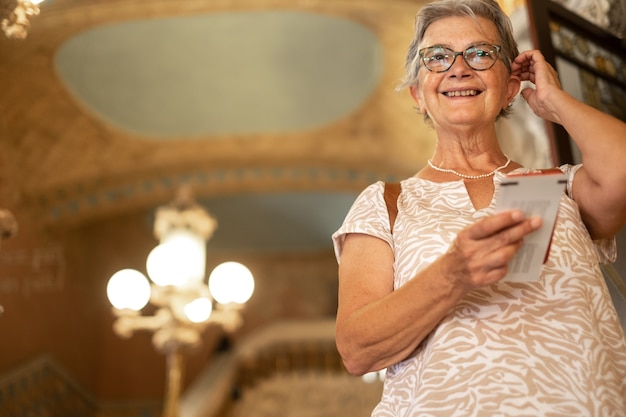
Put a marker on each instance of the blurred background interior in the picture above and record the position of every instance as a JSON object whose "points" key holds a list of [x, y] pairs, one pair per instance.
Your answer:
{"points": [[271, 115]]}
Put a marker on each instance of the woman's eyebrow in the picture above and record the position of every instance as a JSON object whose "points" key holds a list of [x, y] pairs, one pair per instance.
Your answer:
{"points": [[468, 45]]}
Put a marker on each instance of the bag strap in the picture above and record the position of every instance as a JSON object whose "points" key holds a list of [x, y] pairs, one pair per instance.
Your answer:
{"points": [[391, 193]]}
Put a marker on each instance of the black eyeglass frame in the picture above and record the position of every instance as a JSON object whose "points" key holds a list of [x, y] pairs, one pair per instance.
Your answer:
{"points": [[455, 54]]}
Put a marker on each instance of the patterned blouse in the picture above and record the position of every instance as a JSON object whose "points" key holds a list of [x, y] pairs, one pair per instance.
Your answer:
{"points": [[550, 347]]}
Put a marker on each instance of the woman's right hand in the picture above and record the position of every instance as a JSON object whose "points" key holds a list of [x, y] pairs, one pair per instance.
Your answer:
{"points": [[481, 252], [378, 325]]}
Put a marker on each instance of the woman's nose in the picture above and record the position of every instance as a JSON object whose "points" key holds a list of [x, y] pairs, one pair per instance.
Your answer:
{"points": [[459, 67]]}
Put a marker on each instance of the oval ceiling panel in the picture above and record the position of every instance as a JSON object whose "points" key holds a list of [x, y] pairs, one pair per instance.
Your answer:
{"points": [[223, 73]]}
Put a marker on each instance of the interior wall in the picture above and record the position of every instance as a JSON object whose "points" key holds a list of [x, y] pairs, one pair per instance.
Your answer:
{"points": [[45, 308]]}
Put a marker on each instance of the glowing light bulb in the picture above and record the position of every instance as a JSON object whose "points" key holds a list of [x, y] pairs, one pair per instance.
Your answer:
{"points": [[128, 288], [231, 282], [178, 260], [199, 310]]}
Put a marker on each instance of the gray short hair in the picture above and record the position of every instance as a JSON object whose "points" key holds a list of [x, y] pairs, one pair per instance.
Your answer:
{"points": [[489, 9]]}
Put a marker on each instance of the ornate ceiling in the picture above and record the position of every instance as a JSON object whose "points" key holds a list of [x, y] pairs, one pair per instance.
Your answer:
{"points": [[275, 112]]}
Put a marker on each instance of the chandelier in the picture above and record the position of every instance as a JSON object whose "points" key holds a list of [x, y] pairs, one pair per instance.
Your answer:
{"points": [[14, 15], [185, 304]]}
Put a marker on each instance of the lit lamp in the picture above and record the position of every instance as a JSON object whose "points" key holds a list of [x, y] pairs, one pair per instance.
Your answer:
{"points": [[185, 304], [15, 24]]}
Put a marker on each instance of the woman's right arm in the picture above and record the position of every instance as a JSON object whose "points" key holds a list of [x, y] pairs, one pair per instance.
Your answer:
{"points": [[377, 326]]}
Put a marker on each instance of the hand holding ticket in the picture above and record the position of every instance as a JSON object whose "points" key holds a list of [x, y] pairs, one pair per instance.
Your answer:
{"points": [[536, 195]]}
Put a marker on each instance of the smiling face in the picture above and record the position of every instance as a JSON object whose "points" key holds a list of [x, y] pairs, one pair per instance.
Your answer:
{"points": [[462, 97]]}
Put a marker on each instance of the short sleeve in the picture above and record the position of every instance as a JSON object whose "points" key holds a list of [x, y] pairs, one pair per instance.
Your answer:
{"points": [[606, 249], [368, 215]]}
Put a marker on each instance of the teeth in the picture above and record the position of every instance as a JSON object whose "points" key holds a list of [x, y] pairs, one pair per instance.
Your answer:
{"points": [[461, 93]]}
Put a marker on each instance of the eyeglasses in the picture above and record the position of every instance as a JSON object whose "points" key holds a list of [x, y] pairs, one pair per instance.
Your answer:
{"points": [[478, 57]]}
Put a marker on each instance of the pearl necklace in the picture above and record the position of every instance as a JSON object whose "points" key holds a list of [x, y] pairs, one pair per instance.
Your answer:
{"points": [[470, 177]]}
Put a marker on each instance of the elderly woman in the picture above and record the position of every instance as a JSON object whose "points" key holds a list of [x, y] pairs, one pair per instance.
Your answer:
{"points": [[428, 301]]}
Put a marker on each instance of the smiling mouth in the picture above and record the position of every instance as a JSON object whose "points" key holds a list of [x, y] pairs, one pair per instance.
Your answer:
{"points": [[464, 93]]}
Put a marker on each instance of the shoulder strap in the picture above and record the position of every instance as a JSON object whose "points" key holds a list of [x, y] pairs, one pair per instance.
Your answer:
{"points": [[392, 191]]}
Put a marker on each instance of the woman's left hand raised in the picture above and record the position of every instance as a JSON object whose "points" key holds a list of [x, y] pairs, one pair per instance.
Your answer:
{"points": [[532, 66]]}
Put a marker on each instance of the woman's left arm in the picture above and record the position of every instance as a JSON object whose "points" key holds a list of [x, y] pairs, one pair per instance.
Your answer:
{"points": [[600, 185]]}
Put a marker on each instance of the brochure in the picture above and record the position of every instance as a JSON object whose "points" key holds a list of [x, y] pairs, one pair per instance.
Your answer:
{"points": [[536, 194]]}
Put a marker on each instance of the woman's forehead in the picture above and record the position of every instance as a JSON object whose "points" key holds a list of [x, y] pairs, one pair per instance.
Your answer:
{"points": [[460, 31]]}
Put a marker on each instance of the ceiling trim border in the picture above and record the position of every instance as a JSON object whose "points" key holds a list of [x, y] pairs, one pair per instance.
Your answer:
{"points": [[85, 203]]}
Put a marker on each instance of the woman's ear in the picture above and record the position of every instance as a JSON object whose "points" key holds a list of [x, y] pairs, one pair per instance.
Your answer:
{"points": [[415, 93], [513, 87]]}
